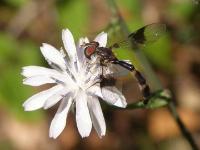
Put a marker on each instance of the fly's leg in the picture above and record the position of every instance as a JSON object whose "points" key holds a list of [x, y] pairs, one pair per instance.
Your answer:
{"points": [[102, 75], [92, 65]]}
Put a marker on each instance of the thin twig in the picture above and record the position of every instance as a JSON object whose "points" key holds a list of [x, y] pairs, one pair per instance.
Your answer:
{"points": [[149, 73], [26, 15], [185, 132], [23, 18]]}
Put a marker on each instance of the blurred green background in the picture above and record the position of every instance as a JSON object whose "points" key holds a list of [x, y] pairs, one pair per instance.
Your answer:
{"points": [[26, 24]]}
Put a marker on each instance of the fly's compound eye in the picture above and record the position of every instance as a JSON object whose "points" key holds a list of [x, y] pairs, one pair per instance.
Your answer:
{"points": [[89, 51]]}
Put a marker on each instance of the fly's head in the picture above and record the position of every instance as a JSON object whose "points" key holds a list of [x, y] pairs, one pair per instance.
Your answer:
{"points": [[104, 54], [90, 48]]}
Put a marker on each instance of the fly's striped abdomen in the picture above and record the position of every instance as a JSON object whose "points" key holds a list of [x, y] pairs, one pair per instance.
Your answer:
{"points": [[144, 87]]}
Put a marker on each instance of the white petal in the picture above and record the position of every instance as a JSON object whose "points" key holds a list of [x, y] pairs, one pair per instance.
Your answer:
{"points": [[38, 80], [86, 40], [121, 103], [53, 55], [95, 90], [69, 44], [80, 50], [56, 98], [101, 38], [62, 52], [37, 101], [52, 101], [92, 76], [30, 71], [97, 115], [113, 96], [83, 119], [59, 121]]}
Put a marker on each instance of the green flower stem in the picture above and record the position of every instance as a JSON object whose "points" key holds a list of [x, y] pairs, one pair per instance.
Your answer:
{"points": [[158, 99], [150, 75]]}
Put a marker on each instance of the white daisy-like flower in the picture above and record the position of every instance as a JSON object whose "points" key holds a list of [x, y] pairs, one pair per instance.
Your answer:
{"points": [[76, 83]]}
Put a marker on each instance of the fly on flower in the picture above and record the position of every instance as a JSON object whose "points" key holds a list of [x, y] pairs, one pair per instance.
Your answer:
{"points": [[147, 34], [76, 83]]}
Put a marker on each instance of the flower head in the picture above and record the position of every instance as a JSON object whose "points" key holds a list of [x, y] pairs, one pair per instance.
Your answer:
{"points": [[76, 83]]}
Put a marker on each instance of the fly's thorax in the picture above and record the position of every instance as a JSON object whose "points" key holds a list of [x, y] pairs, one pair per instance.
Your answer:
{"points": [[106, 54]]}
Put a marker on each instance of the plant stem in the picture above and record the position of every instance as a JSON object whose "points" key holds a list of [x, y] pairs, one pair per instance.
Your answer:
{"points": [[185, 132], [151, 76]]}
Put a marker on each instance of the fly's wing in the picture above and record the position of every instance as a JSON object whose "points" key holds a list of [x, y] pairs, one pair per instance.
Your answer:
{"points": [[119, 72], [116, 37], [115, 70], [110, 82], [113, 74], [145, 35]]}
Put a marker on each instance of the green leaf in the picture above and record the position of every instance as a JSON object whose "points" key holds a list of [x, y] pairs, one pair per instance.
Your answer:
{"points": [[13, 93], [16, 3], [74, 15], [180, 10], [13, 56], [159, 53], [131, 12], [134, 6], [7, 45], [158, 99]]}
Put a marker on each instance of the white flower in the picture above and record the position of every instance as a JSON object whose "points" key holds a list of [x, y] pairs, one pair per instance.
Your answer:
{"points": [[76, 83]]}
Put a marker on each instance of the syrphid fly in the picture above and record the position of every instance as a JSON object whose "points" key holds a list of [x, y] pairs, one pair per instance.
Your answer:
{"points": [[147, 34]]}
